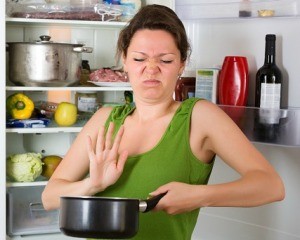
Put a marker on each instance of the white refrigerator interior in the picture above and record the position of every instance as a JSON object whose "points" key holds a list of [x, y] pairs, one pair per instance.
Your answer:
{"points": [[215, 31], [220, 34]]}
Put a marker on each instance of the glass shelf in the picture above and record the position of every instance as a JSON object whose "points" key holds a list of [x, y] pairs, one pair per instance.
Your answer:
{"points": [[26, 184], [39, 181], [275, 127], [50, 22], [200, 10], [78, 88], [53, 127]]}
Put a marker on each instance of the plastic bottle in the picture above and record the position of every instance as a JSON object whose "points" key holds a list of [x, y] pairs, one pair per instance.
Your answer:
{"points": [[245, 9], [130, 7], [233, 81]]}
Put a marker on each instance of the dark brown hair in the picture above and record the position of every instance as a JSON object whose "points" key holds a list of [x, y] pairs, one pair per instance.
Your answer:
{"points": [[155, 17]]}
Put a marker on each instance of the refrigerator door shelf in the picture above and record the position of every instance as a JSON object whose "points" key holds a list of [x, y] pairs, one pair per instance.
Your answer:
{"points": [[193, 9], [279, 127]]}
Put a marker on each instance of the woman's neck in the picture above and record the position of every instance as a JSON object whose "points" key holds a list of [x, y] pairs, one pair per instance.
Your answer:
{"points": [[146, 111]]}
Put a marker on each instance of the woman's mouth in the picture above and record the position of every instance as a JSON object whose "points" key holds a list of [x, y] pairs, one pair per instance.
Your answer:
{"points": [[151, 82]]}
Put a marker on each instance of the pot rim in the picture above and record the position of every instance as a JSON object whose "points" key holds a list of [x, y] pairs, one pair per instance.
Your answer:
{"points": [[46, 43], [99, 198]]}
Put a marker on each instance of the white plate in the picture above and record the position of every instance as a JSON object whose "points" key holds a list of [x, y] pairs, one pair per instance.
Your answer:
{"points": [[111, 84]]}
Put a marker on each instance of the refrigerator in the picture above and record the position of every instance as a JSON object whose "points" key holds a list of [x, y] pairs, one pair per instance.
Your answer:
{"points": [[215, 29]]}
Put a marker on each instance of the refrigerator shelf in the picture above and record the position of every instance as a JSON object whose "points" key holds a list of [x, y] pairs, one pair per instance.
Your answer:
{"points": [[267, 126], [197, 10], [274, 127], [45, 130], [50, 22], [26, 184], [78, 88]]}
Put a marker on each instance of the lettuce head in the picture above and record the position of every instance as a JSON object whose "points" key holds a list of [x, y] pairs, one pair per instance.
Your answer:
{"points": [[24, 167]]}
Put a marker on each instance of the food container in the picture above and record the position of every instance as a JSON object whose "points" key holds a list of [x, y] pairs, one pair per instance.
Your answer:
{"points": [[84, 2], [86, 101], [45, 63], [87, 10], [28, 123]]}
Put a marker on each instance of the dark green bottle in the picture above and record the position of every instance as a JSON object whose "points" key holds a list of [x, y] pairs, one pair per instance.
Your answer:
{"points": [[268, 79]]}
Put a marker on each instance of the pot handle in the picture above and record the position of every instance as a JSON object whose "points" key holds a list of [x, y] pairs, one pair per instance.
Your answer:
{"points": [[83, 49], [149, 204]]}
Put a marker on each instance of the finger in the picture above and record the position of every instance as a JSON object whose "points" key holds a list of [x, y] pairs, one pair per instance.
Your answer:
{"points": [[100, 141], [109, 134], [118, 139], [90, 150], [122, 160], [161, 189]]}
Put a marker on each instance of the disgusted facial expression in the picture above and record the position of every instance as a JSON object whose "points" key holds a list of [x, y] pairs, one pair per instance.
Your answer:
{"points": [[153, 63]]}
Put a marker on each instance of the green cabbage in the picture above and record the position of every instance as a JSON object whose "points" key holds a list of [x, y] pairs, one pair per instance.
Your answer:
{"points": [[24, 167]]}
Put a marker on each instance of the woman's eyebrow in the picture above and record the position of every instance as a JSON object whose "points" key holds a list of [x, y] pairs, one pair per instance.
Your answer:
{"points": [[159, 55]]}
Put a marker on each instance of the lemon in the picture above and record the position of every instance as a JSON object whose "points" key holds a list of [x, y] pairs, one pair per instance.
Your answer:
{"points": [[66, 114]]}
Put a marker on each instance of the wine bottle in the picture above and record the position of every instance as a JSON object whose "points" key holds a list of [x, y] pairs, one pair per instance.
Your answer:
{"points": [[268, 78]]}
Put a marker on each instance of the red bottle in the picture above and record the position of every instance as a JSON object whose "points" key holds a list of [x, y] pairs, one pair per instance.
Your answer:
{"points": [[233, 81]]}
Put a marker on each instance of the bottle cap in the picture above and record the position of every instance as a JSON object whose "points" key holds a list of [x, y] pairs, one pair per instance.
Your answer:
{"points": [[270, 37]]}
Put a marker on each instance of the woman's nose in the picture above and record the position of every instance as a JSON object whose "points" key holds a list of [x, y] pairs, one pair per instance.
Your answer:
{"points": [[152, 65]]}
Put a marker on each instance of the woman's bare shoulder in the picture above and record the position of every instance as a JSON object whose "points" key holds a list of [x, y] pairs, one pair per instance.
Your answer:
{"points": [[209, 120], [208, 112], [98, 119]]}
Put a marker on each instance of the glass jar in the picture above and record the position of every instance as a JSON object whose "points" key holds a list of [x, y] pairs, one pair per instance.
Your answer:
{"points": [[86, 101]]}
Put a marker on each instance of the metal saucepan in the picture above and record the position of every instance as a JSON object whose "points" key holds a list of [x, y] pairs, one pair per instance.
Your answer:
{"points": [[101, 217], [45, 63]]}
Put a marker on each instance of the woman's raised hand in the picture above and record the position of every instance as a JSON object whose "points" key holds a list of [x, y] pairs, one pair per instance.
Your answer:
{"points": [[106, 163]]}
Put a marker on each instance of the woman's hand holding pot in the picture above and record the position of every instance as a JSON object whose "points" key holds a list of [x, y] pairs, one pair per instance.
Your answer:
{"points": [[180, 197], [106, 164]]}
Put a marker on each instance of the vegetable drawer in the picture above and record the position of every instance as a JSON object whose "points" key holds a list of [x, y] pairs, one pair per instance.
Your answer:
{"points": [[25, 212]]}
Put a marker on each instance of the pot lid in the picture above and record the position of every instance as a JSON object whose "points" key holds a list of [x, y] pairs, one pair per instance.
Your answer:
{"points": [[45, 39]]}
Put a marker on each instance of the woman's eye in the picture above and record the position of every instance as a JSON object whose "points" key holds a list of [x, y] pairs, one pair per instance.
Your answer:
{"points": [[167, 61], [139, 59]]}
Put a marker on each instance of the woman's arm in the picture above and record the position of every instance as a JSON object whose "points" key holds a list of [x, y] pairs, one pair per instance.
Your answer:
{"points": [[259, 182], [212, 131], [90, 153]]}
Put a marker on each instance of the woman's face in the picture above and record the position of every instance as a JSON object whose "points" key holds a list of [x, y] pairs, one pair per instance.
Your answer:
{"points": [[153, 64]]}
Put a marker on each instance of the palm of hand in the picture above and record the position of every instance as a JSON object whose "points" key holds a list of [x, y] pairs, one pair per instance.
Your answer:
{"points": [[106, 165]]}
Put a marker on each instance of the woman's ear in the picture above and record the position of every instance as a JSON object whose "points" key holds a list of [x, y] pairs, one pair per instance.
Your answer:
{"points": [[181, 69]]}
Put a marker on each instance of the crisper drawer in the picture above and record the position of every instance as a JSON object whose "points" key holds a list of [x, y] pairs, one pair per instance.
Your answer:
{"points": [[25, 212]]}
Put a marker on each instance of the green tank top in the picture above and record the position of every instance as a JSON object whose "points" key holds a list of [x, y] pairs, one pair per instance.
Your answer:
{"points": [[170, 160]]}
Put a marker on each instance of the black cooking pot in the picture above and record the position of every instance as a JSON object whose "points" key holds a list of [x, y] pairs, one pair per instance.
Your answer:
{"points": [[101, 217]]}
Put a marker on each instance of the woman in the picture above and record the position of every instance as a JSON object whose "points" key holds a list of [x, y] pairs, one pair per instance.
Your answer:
{"points": [[162, 145]]}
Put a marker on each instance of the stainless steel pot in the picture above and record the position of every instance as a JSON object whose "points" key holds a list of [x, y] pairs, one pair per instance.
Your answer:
{"points": [[45, 63]]}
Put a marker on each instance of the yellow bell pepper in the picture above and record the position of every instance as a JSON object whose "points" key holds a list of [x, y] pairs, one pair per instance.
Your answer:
{"points": [[19, 106]]}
